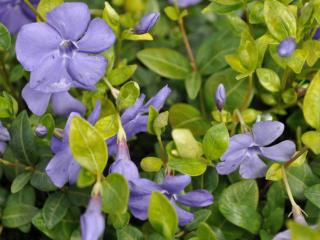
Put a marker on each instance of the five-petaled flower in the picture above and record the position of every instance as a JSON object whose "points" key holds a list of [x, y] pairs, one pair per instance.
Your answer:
{"points": [[92, 221], [60, 54], [135, 119], [4, 137], [185, 3], [63, 168], [171, 187], [146, 23], [15, 13], [244, 150]]}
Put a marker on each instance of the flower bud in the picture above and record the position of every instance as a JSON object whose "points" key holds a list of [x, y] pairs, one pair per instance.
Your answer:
{"points": [[146, 23], [287, 47], [316, 36], [41, 131], [220, 97]]}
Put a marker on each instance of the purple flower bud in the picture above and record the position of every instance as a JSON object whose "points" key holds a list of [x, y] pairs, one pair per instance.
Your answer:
{"points": [[186, 3], [287, 47], [316, 36], [4, 137], [146, 23], [92, 221], [41, 131], [220, 96]]}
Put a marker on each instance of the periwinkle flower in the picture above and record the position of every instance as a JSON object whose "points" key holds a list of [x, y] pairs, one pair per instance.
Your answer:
{"points": [[4, 137], [316, 36], [60, 54], [63, 168], [146, 23], [123, 164], [15, 13], [287, 47], [171, 187], [185, 3], [220, 97], [135, 119], [244, 150], [92, 222], [41, 131]]}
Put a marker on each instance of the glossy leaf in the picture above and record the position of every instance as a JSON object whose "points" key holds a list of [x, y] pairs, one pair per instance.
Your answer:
{"points": [[151, 164], [5, 38], [269, 79]]}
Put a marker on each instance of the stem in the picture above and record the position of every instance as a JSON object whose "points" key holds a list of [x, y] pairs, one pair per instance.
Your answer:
{"points": [[296, 210], [32, 8], [16, 165], [187, 44], [244, 127], [247, 99], [118, 50], [299, 154], [285, 78], [163, 153]]}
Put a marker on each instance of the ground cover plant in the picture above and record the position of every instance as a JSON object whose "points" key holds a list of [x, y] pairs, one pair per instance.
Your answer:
{"points": [[160, 119]]}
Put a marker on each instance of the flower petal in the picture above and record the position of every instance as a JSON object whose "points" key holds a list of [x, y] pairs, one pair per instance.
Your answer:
{"points": [[139, 205], [58, 167], [56, 144], [183, 216], [238, 142], [70, 20], [51, 76], [285, 235], [86, 70], [3, 147], [63, 104], [137, 125], [37, 101], [143, 186], [132, 112], [95, 114], [186, 3], [230, 165], [196, 198], [252, 166], [73, 171], [158, 100], [267, 132], [146, 23], [36, 41], [175, 184], [98, 38], [126, 168], [281, 152]]}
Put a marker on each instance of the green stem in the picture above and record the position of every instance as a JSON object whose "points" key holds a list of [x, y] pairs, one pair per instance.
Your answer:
{"points": [[96, 12], [16, 165], [248, 96], [34, 10], [285, 77], [163, 152], [299, 154], [118, 50]]}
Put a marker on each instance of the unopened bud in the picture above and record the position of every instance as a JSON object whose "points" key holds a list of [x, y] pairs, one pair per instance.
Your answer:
{"points": [[220, 97]]}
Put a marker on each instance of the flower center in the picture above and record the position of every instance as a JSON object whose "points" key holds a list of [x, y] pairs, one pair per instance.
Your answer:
{"points": [[67, 48]]}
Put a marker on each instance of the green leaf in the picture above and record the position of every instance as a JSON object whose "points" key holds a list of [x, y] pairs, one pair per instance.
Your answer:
{"points": [[200, 216], [5, 38], [280, 21], [303, 232], [16, 73], [165, 62], [238, 203], [88, 146], [153, 113], [20, 181], [128, 35], [160, 122], [18, 215], [216, 141], [40, 179], [311, 103], [274, 172], [119, 221], [115, 194], [111, 17], [129, 233], [165, 224], [205, 232], [193, 84], [46, 6], [256, 13], [121, 74], [297, 60], [108, 126], [269, 79], [128, 95], [151, 164], [55, 208], [85, 178], [23, 140], [187, 145], [313, 194], [189, 166], [172, 13], [78, 196], [182, 115], [221, 8], [311, 139], [8, 106]]}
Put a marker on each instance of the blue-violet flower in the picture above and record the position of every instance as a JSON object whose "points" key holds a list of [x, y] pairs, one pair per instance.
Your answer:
{"points": [[41, 131], [4, 137], [287, 47], [146, 23], [185, 3], [220, 97]]}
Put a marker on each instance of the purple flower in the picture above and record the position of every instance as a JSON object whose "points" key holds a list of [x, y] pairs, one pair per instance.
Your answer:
{"points": [[287, 47], [185, 3], [146, 23], [123, 164], [244, 150], [4, 137], [92, 221], [316, 36], [171, 187], [15, 13], [41, 131], [62, 168], [220, 97], [59, 55], [135, 119]]}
